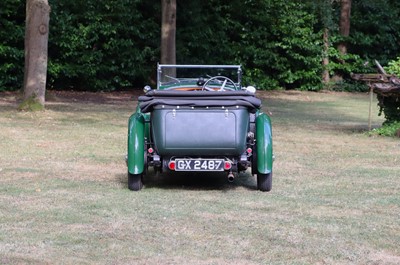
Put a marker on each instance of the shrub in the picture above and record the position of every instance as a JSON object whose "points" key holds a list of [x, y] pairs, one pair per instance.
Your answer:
{"points": [[390, 104], [12, 18], [392, 129], [393, 67], [101, 45], [390, 107]]}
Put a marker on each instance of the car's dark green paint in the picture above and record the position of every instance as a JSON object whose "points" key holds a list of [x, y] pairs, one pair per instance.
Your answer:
{"points": [[264, 144], [200, 132], [136, 138], [201, 122]]}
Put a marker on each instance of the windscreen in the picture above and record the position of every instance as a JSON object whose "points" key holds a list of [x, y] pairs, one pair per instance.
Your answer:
{"points": [[180, 73]]}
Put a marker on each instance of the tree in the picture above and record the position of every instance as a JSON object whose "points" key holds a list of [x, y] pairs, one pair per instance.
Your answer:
{"points": [[325, 57], [168, 32], [36, 42], [344, 33], [344, 24], [375, 30], [115, 44], [323, 9]]}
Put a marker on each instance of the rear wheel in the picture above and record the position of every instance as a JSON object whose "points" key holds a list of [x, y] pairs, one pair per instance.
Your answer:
{"points": [[264, 181], [135, 181]]}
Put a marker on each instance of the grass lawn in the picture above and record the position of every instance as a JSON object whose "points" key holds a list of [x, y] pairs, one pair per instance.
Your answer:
{"points": [[64, 196]]}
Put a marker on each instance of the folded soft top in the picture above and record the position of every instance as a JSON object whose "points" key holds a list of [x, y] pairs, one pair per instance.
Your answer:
{"points": [[198, 99]]}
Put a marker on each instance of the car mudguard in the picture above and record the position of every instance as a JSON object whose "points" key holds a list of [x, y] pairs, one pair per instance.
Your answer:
{"points": [[136, 135], [264, 144]]}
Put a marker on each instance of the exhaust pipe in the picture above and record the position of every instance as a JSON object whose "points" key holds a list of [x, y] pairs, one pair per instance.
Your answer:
{"points": [[231, 177]]}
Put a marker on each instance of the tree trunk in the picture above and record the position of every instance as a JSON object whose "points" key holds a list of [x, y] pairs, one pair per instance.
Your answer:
{"points": [[168, 32], [325, 58], [36, 41], [344, 24]]}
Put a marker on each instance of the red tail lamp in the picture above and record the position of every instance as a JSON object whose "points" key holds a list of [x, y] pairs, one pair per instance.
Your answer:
{"points": [[150, 150], [171, 165], [227, 165]]}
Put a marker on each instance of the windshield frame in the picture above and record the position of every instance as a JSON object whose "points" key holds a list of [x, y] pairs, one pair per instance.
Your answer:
{"points": [[162, 68]]}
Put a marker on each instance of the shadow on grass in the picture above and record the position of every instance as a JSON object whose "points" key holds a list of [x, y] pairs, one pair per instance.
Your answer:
{"points": [[8, 108], [322, 116], [194, 181]]}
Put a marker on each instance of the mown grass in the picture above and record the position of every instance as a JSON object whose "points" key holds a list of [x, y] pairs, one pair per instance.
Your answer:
{"points": [[64, 197]]}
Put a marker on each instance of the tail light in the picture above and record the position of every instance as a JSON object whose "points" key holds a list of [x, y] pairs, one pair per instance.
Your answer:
{"points": [[227, 165], [171, 165], [249, 151]]}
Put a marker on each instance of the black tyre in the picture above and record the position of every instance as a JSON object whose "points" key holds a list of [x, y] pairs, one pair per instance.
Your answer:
{"points": [[264, 181], [135, 181]]}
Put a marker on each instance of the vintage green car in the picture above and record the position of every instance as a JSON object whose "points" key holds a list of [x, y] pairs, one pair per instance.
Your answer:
{"points": [[200, 118]]}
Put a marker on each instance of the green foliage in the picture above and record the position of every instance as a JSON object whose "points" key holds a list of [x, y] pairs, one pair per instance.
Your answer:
{"points": [[390, 104], [393, 67], [390, 107], [101, 46], [290, 53], [31, 104], [344, 64], [375, 28], [392, 129], [300, 47], [373, 35], [276, 49], [349, 86], [106, 45], [11, 45]]}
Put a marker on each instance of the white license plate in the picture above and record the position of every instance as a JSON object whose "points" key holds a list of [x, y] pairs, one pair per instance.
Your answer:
{"points": [[199, 164]]}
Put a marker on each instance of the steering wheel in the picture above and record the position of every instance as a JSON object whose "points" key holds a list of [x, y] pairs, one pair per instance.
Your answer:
{"points": [[223, 80]]}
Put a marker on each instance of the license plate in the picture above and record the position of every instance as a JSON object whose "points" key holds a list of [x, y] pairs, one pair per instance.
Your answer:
{"points": [[199, 164]]}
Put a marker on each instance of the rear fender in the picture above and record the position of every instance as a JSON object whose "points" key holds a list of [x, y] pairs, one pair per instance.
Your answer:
{"points": [[264, 144], [136, 135]]}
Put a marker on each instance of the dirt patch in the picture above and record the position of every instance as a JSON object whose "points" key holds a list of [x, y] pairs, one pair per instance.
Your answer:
{"points": [[77, 96], [93, 97], [116, 97], [384, 257]]}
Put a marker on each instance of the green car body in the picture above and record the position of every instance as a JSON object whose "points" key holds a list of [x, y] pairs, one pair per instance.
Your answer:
{"points": [[200, 123], [136, 143]]}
